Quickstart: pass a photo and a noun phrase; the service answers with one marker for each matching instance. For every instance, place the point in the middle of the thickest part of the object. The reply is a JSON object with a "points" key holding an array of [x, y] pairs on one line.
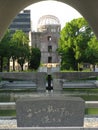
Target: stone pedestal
{"points": [[57, 84], [50, 111]]}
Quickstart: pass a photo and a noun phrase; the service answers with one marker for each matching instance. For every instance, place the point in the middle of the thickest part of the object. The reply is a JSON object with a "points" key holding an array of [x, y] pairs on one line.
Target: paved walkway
{"points": [[88, 122]]}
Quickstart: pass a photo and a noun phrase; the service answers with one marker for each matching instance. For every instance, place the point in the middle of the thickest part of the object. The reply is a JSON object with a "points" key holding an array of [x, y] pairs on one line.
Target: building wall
{"points": [[46, 39], [21, 22]]}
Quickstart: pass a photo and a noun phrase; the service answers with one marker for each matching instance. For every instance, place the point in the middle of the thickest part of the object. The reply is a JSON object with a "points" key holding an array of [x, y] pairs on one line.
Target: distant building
{"points": [[46, 39], [21, 22]]}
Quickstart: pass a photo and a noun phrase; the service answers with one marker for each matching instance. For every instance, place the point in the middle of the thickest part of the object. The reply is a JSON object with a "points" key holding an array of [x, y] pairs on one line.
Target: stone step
{"points": [[79, 85]]}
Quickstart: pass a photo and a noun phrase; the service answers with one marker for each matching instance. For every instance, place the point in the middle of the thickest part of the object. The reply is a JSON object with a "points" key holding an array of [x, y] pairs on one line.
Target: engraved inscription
{"points": [[50, 112]]}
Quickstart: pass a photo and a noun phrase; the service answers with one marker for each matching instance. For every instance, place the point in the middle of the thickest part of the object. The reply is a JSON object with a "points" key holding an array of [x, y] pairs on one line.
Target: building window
{"points": [[49, 59], [58, 29], [49, 48], [53, 30], [49, 38]]}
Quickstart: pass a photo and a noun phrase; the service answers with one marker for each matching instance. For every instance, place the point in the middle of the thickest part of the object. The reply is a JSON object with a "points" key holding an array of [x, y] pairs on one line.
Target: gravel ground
{"points": [[91, 122], [88, 122]]}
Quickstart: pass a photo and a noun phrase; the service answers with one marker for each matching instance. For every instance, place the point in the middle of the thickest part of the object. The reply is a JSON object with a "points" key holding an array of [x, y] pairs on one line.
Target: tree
{"points": [[14, 51], [92, 51], [5, 49], [23, 55], [35, 56], [21, 48], [73, 42]]}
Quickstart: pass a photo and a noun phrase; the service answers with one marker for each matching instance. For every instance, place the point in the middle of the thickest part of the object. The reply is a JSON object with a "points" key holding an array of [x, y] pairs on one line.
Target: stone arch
{"points": [[10, 8]]}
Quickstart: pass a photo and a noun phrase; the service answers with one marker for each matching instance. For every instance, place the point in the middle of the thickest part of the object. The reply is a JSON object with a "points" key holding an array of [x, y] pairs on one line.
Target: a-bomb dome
{"points": [[48, 20]]}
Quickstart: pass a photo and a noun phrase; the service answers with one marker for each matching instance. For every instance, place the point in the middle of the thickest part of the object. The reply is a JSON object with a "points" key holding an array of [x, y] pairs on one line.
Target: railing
{"points": [[91, 104], [7, 106], [12, 105]]}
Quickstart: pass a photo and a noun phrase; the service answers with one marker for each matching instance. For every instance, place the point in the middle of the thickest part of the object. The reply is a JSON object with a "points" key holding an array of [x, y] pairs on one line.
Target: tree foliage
{"points": [[5, 50], [35, 57], [20, 47], [16, 46], [92, 51], [73, 43]]}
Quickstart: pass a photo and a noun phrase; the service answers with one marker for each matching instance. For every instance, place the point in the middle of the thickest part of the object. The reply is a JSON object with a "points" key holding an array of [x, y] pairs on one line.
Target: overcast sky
{"points": [[64, 12]]}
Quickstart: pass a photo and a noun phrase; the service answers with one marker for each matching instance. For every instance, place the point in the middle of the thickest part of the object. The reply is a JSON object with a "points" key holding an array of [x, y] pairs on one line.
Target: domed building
{"points": [[46, 39], [47, 20]]}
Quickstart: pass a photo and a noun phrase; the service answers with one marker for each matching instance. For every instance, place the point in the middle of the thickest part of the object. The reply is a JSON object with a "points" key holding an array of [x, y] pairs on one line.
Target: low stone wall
{"points": [[73, 75], [39, 78], [61, 78]]}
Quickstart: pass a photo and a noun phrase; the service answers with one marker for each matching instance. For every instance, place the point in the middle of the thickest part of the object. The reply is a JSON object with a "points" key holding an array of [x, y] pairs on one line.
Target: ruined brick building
{"points": [[46, 39]]}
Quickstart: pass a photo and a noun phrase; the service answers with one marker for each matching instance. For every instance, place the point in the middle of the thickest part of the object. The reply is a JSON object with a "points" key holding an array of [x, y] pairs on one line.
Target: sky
{"points": [[63, 12]]}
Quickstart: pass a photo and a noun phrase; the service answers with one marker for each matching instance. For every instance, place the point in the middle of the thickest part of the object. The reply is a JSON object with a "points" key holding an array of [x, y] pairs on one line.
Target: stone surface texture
{"points": [[50, 111]]}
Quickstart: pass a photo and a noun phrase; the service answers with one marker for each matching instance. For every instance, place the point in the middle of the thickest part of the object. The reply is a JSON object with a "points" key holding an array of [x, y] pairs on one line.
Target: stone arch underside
{"points": [[10, 8]]}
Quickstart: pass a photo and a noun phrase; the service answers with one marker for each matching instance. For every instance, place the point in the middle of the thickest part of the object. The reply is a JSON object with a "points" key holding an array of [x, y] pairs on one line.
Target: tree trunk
{"points": [[8, 65], [93, 67], [0, 64], [13, 64], [1, 67], [22, 67], [76, 66]]}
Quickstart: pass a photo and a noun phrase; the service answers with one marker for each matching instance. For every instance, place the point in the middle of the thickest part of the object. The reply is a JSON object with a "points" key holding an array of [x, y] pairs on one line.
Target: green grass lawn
{"points": [[7, 112], [89, 111]]}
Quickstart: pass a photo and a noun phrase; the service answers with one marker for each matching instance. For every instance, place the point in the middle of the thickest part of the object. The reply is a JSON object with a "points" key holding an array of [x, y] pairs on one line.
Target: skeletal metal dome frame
{"points": [[47, 20], [10, 8]]}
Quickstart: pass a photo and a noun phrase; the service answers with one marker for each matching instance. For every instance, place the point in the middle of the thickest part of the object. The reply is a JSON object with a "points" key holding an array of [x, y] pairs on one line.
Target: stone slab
{"points": [[79, 85], [50, 111], [53, 128]]}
